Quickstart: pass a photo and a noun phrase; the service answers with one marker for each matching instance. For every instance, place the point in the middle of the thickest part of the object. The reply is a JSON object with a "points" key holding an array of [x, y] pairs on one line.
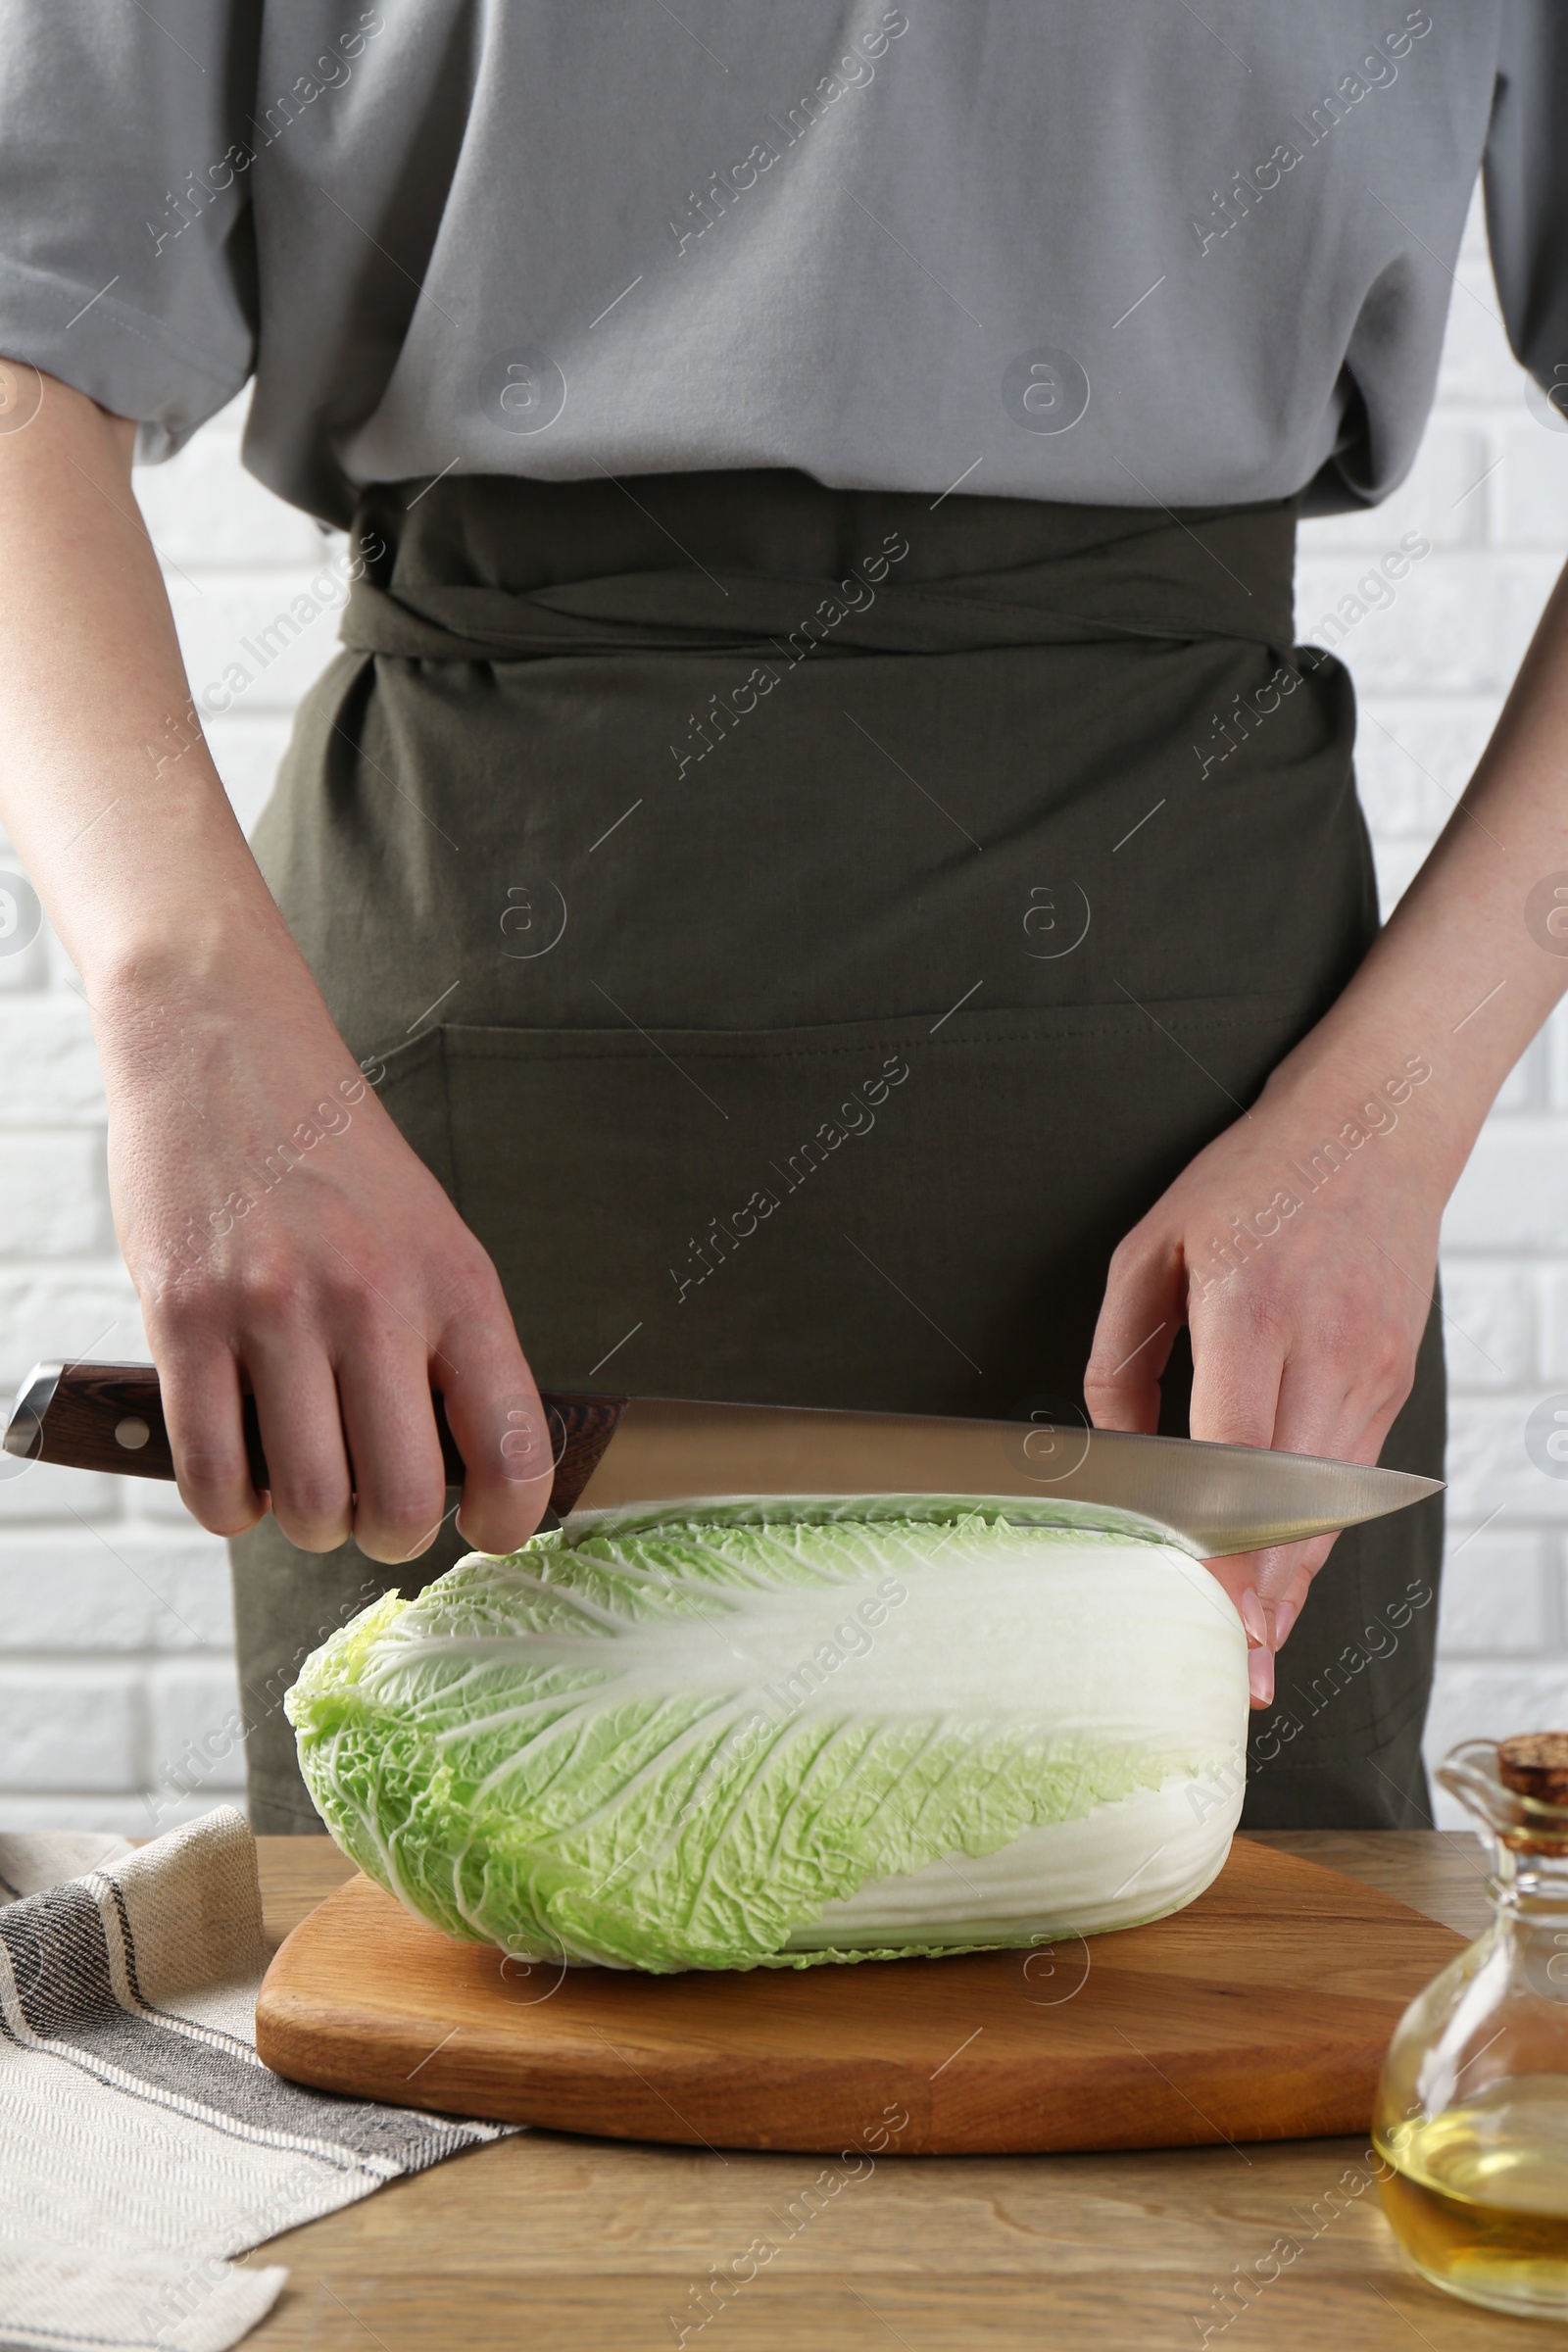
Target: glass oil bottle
{"points": [[1472, 2110]]}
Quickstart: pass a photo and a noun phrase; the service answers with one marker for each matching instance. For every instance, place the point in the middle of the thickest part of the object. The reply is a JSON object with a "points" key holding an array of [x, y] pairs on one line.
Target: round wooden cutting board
{"points": [[1261, 2012]]}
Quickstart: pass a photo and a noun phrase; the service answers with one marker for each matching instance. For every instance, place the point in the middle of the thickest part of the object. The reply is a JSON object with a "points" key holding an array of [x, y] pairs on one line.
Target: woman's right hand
{"points": [[339, 1284], [282, 1236]]}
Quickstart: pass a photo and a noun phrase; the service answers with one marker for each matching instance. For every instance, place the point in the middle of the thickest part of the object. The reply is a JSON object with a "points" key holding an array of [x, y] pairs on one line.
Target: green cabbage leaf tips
{"points": [[730, 1735]]}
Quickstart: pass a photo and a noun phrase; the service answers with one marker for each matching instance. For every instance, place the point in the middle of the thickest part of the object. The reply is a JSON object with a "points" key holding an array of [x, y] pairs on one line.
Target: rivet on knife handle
{"points": [[111, 1417]]}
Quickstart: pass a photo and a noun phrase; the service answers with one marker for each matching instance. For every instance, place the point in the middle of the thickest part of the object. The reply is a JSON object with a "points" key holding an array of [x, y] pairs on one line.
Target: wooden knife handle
{"points": [[111, 1417]]}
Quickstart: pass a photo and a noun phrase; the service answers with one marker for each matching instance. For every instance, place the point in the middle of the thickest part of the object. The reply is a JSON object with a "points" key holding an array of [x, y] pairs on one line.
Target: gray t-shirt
{"points": [[1127, 254]]}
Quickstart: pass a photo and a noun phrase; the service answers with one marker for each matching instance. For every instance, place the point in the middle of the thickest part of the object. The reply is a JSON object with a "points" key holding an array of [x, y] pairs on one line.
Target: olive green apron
{"points": [[804, 930]]}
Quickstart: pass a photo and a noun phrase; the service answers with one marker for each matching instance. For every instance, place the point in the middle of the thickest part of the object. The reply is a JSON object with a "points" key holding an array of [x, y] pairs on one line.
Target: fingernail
{"points": [[1252, 1617], [1285, 1616], [1260, 1676]]}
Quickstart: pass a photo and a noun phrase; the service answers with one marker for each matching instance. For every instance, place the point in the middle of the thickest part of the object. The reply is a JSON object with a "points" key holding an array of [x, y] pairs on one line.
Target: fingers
{"points": [[343, 1290], [493, 1412], [1306, 1422], [203, 1414], [1287, 1608], [1341, 1405], [342, 1375], [389, 1421], [1137, 1328], [302, 1436], [1238, 1356], [1345, 1416], [1238, 1361], [1306, 1342], [1241, 1364], [1237, 1576]]}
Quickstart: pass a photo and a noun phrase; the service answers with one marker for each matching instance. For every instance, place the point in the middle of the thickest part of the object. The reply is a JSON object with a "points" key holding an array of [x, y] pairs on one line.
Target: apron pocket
{"points": [[911, 1216]]}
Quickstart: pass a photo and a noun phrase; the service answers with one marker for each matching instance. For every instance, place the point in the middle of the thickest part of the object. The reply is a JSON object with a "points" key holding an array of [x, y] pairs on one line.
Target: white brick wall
{"points": [[117, 1688]]}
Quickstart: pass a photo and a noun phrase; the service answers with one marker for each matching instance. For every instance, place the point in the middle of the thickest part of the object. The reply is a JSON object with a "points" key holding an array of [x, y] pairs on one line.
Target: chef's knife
{"points": [[612, 1451]]}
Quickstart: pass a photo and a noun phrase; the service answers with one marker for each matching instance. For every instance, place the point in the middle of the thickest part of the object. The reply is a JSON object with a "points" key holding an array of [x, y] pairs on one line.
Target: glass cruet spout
{"points": [[1472, 2110]]}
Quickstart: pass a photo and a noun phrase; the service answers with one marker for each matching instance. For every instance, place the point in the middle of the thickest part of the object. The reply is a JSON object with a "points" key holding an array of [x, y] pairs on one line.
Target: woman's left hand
{"points": [[1300, 1247]]}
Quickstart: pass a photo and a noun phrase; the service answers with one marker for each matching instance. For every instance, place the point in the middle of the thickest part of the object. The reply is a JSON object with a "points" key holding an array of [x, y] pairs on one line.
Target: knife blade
{"points": [[614, 1452]]}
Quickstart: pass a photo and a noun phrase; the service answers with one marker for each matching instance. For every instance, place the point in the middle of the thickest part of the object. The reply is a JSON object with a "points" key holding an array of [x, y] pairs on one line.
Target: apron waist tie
{"points": [[1228, 575]]}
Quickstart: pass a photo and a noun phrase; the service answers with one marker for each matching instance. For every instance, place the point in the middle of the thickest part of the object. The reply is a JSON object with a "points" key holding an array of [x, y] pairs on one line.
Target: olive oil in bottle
{"points": [[1478, 2196]]}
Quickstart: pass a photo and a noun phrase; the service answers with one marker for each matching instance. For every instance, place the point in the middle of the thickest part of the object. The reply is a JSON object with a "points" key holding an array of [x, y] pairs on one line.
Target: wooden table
{"points": [[557, 2244]]}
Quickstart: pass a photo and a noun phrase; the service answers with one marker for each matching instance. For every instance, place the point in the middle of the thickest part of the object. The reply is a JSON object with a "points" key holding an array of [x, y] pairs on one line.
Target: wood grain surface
{"points": [[565, 2244], [1261, 2011]]}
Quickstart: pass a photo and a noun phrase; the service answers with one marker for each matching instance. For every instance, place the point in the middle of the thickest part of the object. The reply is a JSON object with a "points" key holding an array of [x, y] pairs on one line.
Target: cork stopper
{"points": [[1535, 1764]]}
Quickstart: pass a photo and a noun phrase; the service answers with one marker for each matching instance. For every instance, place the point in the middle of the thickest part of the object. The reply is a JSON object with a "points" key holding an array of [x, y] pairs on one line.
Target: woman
{"points": [[819, 838]]}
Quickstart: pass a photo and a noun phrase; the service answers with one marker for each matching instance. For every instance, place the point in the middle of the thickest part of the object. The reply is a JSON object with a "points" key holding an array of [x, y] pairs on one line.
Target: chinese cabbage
{"points": [[725, 1736]]}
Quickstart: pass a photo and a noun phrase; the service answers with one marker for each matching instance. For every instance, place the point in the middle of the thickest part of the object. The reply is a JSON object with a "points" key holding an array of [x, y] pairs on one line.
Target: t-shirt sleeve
{"points": [[126, 255], [1526, 179]]}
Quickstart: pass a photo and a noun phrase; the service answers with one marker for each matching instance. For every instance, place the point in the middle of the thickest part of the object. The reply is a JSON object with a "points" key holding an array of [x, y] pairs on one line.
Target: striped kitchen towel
{"points": [[142, 2142]]}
